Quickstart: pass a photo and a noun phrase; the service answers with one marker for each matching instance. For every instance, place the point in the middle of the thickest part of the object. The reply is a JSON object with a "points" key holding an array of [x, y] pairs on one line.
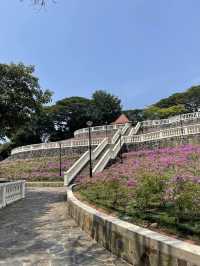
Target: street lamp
{"points": [[120, 139], [106, 129], [89, 124], [60, 158], [181, 124]]}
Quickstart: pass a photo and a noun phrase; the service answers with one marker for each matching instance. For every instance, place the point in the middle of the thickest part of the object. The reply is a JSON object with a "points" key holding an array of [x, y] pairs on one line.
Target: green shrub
{"points": [[149, 192]]}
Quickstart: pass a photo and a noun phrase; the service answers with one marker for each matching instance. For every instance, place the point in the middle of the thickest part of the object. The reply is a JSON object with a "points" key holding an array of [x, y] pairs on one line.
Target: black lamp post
{"points": [[89, 124], [106, 129], [181, 124], [120, 139], [60, 158]]}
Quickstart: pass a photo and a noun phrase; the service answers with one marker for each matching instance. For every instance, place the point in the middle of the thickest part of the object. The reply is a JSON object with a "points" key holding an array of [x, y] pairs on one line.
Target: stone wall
{"points": [[49, 153], [168, 142], [97, 134], [138, 246]]}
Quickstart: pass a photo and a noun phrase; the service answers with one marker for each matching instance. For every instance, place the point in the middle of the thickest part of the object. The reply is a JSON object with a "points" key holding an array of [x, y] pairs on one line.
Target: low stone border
{"points": [[138, 246], [44, 184]]}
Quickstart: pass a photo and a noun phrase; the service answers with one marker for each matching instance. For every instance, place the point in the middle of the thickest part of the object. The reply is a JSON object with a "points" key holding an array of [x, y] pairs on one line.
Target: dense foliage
{"points": [[26, 118], [177, 103], [20, 97], [161, 186]]}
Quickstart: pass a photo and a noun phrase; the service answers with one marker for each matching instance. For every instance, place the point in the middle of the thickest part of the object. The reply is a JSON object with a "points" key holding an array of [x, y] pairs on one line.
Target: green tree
{"points": [[107, 107], [21, 97], [68, 115], [135, 115], [154, 112], [190, 99], [38, 130]]}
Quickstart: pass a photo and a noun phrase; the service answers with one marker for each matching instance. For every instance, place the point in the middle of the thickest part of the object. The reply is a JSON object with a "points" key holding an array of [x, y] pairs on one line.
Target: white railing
{"points": [[125, 128], [170, 120], [166, 133], [102, 162], [75, 169], [11, 192], [99, 148], [56, 145], [116, 149], [112, 151], [84, 142], [98, 128], [134, 130], [116, 136]]}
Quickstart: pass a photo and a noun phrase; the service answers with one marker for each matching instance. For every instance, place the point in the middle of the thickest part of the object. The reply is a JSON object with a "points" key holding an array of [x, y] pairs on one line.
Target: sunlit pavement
{"points": [[37, 231]]}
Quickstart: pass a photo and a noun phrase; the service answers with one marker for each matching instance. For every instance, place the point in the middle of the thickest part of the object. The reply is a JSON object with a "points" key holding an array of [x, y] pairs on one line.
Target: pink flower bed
{"points": [[181, 162], [38, 169]]}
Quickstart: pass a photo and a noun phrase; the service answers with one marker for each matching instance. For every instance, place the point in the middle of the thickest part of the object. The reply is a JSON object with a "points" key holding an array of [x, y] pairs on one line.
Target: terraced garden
{"points": [[159, 189], [36, 169]]}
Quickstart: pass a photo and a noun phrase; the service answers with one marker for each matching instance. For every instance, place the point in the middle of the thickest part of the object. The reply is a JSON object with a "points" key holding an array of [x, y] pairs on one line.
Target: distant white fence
{"points": [[11, 192], [56, 145], [171, 120], [132, 134], [98, 128], [166, 133]]}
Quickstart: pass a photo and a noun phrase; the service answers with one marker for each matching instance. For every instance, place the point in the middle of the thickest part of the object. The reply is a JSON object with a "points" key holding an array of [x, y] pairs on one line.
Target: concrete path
{"points": [[37, 231]]}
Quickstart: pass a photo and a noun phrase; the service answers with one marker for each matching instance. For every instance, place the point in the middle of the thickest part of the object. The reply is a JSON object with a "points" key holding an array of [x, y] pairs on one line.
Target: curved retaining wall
{"points": [[49, 153], [139, 246], [162, 143]]}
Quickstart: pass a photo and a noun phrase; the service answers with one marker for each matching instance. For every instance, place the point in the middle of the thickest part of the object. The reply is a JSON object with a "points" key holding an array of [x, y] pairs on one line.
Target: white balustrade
{"points": [[102, 162], [98, 128], [99, 148], [170, 120], [112, 151], [56, 145], [166, 133], [11, 192], [134, 130], [117, 127], [115, 137], [82, 161]]}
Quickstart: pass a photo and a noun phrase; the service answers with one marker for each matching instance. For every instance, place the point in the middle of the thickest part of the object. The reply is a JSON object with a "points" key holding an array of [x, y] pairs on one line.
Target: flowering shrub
{"points": [[150, 192], [184, 193], [110, 194], [160, 186]]}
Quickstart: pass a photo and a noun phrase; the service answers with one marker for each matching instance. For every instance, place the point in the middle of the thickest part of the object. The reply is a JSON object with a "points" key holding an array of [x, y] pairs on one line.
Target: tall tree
{"points": [[21, 97], [107, 107], [68, 115]]}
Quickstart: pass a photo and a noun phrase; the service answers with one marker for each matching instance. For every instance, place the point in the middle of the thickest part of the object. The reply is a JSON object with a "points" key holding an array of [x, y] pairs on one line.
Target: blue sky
{"points": [[139, 50]]}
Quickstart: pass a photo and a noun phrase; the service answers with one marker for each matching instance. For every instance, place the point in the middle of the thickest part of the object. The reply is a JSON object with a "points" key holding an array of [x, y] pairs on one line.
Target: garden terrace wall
{"points": [[162, 143], [71, 151], [138, 246], [97, 134]]}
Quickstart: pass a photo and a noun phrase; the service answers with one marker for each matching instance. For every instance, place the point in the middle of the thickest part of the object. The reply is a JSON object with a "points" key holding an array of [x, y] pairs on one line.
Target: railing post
{"points": [[4, 196], [23, 189]]}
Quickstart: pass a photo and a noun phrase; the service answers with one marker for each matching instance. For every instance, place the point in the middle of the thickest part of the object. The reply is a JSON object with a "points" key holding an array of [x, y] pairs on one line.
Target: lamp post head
{"points": [[89, 123]]}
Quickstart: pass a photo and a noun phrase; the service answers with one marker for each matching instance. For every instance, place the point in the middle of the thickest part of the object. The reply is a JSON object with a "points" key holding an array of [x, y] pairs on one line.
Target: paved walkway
{"points": [[37, 231]]}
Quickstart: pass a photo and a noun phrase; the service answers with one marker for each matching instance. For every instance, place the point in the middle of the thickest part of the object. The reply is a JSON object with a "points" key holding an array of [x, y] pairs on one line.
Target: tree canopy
{"points": [[72, 113], [20, 96], [190, 99], [107, 107]]}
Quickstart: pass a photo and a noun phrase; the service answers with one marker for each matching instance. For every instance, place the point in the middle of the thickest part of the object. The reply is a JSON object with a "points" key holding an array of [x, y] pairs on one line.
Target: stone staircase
{"points": [[101, 155]]}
